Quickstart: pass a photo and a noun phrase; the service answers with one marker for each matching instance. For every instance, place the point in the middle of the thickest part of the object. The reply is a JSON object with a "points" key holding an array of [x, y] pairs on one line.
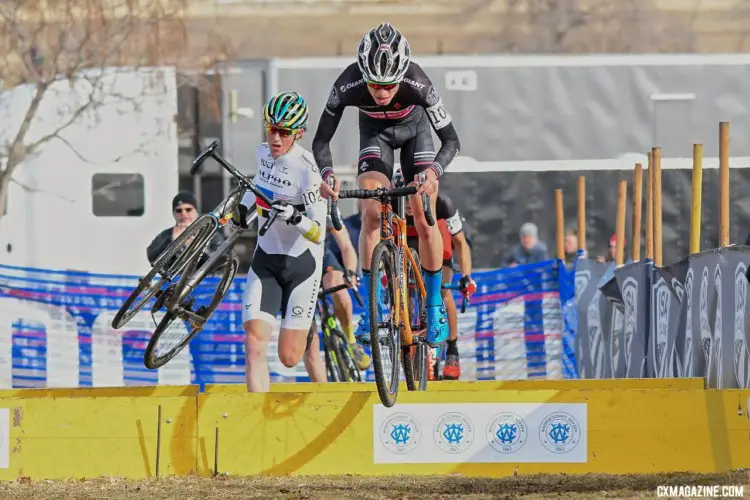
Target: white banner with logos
{"points": [[480, 433]]}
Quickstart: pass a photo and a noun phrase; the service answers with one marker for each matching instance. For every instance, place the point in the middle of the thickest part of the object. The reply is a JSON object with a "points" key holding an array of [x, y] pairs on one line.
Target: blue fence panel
{"points": [[55, 331]]}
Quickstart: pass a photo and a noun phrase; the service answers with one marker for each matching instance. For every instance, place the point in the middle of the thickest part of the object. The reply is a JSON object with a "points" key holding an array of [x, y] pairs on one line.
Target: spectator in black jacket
{"points": [[185, 211]]}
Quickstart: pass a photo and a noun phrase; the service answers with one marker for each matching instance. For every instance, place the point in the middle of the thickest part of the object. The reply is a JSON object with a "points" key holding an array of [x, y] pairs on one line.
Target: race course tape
{"points": [[490, 430]]}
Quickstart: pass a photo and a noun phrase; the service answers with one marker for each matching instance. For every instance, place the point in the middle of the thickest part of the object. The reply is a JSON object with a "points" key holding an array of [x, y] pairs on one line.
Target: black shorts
{"points": [[378, 139], [282, 283], [413, 242], [331, 262]]}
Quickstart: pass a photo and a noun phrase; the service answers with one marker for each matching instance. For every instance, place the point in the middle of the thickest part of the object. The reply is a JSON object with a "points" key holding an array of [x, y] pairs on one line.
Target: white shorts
{"points": [[283, 283]]}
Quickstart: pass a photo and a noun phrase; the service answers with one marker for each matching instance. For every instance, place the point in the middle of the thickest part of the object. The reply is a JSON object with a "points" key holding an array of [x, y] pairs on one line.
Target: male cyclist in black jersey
{"points": [[397, 103]]}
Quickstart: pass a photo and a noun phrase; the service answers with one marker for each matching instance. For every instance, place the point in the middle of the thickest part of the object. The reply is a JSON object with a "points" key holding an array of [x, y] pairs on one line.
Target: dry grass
{"points": [[351, 487]]}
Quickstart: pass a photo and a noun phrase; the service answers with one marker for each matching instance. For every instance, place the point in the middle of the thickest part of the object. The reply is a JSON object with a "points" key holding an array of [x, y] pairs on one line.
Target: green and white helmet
{"points": [[384, 55]]}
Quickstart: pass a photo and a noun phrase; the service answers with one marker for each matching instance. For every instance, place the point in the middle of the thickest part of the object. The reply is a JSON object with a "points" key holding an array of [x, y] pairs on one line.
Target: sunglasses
{"points": [[187, 210], [283, 132], [378, 86]]}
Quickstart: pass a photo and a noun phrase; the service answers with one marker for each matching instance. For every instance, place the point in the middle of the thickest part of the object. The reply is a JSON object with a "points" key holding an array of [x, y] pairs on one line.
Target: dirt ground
{"points": [[353, 487]]}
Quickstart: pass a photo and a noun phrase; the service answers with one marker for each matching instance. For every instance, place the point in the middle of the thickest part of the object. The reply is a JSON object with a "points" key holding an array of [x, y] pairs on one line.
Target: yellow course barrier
{"points": [[473, 428], [460, 385]]}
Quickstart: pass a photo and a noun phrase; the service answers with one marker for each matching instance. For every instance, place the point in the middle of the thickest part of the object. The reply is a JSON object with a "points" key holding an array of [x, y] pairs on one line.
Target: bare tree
{"points": [[79, 46]]}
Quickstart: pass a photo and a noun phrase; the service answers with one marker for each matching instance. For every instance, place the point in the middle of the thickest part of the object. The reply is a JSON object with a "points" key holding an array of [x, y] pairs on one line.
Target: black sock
{"points": [[452, 347]]}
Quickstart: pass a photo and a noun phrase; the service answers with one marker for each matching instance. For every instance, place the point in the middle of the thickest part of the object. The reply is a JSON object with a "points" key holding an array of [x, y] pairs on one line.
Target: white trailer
{"points": [[93, 198]]}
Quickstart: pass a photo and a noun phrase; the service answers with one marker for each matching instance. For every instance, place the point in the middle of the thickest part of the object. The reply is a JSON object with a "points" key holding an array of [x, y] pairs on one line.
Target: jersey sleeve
{"points": [[316, 207], [436, 112], [441, 121], [329, 122], [448, 212]]}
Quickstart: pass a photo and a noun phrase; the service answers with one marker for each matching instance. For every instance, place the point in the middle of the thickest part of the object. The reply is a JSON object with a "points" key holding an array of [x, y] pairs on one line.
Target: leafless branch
{"points": [[30, 189], [74, 47]]}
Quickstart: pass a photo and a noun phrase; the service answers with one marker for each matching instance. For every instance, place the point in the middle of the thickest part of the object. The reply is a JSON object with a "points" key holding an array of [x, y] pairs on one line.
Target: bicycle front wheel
{"points": [[176, 256], [179, 327], [385, 339]]}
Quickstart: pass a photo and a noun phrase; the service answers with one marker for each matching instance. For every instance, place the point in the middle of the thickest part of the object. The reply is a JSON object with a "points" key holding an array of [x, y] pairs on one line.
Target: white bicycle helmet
{"points": [[383, 55]]}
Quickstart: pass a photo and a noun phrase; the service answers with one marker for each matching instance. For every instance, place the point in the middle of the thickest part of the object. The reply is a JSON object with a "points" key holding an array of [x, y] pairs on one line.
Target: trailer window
{"points": [[117, 195]]}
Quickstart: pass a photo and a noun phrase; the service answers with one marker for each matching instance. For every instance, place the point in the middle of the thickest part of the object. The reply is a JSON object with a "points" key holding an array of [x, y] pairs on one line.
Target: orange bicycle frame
{"points": [[393, 228]]}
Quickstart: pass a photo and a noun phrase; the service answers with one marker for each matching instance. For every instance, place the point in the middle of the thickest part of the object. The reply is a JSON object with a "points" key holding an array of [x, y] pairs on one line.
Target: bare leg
{"points": [[313, 362], [257, 336], [292, 344], [342, 302]]}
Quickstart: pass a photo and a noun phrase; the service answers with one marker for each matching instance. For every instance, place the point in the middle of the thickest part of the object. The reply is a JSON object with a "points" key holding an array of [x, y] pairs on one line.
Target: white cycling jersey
{"points": [[293, 178], [287, 264]]}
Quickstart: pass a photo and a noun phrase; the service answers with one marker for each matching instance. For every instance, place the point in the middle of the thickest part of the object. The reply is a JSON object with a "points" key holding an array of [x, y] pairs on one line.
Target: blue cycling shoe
{"points": [[437, 325], [364, 327]]}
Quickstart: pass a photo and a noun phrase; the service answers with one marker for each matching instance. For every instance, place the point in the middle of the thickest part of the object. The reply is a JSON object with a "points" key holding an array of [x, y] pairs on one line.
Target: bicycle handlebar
{"points": [[333, 289], [381, 194], [343, 286], [333, 208], [464, 297], [426, 201], [242, 180], [348, 279]]}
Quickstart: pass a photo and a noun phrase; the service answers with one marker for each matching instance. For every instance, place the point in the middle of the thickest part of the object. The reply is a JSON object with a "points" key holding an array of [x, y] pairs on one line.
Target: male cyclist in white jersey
{"points": [[287, 264], [398, 104]]}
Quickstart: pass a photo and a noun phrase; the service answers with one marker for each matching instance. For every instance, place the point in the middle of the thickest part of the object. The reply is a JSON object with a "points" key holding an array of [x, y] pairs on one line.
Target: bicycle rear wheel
{"points": [[350, 370], [339, 353], [333, 373], [177, 328], [386, 347], [174, 259]]}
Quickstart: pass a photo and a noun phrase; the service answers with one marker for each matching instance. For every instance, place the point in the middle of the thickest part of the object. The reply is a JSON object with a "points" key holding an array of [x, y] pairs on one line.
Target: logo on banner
{"points": [[560, 432], [678, 289], [718, 327], [662, 298], [616, 338], [581, 280], [706, 336], [400, 433], [454, 432], [687, 370], [596, 347], [675, 364], [630, 307], [740, 299], [507, 432]]}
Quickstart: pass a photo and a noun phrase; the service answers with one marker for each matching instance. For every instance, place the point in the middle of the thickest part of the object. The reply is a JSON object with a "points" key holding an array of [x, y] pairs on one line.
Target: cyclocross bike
{"points": [[396, 271], [176, 275], [339, 357]]}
